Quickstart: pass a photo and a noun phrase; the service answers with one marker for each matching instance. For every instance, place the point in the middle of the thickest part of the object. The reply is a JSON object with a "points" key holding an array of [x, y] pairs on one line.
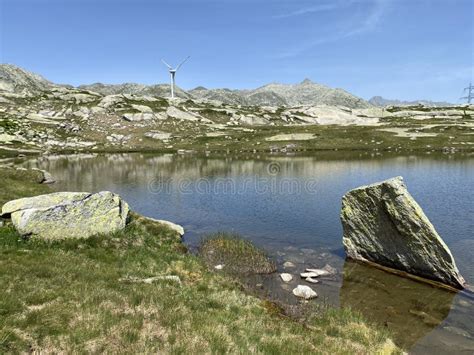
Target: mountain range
{"points": [[381, 102], [16, 79]]}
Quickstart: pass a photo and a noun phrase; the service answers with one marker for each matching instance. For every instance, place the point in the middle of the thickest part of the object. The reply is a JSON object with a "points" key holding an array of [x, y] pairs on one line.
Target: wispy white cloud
{"points": [[372, 20], [310, 10], [352, 27]]}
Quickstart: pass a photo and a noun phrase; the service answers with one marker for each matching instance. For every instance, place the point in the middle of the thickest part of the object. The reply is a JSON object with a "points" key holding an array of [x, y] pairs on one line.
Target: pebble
{"points": [[288, 264], [219, 267]]}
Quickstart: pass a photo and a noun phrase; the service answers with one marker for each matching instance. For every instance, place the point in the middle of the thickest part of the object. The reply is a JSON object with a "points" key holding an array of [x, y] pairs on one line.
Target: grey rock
{"points": [[318, 272], [305, 292], [383, 224], [67, 214], [330, 269], [136, 117], [143, 108], [110, 100], [182, 115], [286, 277], [288, 264], [176, 227], [252, 120], [158, 135], [47, 177]]}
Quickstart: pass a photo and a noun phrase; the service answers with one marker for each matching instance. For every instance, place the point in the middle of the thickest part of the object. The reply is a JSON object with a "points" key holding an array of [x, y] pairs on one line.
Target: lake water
{"points": [[290, 206]]}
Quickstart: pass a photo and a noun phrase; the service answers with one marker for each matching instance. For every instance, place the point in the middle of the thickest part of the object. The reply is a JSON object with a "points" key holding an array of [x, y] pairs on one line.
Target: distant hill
{"points": [[275, 94], [380, 101], [15, 79]]}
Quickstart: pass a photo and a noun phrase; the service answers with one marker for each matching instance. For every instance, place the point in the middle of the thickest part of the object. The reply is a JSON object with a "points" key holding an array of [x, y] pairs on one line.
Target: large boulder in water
{"points": [[383, 224], [67, 214]]}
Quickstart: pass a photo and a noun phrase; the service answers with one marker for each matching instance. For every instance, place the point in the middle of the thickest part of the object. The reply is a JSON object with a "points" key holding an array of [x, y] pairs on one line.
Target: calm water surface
{"points": [[290, 206]]}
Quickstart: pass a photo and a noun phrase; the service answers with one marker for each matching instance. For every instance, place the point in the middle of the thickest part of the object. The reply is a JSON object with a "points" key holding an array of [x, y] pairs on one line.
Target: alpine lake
{"points": [[289, 205]]}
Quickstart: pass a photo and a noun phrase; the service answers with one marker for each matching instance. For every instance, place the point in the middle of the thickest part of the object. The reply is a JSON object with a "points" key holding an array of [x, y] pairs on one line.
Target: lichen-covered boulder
{"points": [[383, 224], [67, 214]]}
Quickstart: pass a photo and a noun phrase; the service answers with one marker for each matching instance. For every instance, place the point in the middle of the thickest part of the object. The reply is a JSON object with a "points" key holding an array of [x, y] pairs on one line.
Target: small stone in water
{"points": [[318, 272], [311, 280], [330, 269], [308, 274], [286, 277], [219, 267], [288, 264], [305, 292]]}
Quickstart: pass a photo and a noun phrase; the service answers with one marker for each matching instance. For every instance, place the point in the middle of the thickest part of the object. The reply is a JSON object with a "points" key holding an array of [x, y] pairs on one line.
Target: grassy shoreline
{"points": [[69, 296]]}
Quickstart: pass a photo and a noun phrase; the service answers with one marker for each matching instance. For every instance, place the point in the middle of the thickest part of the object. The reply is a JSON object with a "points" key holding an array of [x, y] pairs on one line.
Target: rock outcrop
{"points": [[176, 227], [383, 224], [15, 79], [67, 214]]}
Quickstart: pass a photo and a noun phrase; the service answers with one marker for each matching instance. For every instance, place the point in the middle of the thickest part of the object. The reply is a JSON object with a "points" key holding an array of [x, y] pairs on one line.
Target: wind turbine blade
{"points": [[169, 66], [180, 64]]}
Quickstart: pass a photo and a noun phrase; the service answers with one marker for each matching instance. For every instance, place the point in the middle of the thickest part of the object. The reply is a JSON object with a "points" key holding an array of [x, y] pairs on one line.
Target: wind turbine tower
{"points": [[172, 72]]}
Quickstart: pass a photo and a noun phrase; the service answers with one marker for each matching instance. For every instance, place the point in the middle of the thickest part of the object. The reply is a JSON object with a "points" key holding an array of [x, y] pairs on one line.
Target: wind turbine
{"points": [[173, 73]]}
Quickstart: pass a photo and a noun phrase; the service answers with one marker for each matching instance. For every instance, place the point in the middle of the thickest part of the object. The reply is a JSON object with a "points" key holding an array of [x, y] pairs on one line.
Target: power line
{"points": [[470, 93]]}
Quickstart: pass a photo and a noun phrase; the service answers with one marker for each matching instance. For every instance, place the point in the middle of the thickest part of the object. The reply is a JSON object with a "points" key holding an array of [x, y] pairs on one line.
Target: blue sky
{"points": [[405, 49]]}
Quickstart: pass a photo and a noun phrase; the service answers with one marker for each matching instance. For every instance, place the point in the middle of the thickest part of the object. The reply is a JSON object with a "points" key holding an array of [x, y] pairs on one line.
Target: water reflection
{"points": [[409, 309]]}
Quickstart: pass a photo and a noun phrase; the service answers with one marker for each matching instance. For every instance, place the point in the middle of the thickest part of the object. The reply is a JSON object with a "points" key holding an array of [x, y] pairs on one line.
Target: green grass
{"points": [[69, 296], [20, 183], [239, 256]]}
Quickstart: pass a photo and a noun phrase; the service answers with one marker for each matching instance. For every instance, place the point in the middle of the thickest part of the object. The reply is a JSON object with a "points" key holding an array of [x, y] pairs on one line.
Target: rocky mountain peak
{"points": [[16, 79], [307, 81]]}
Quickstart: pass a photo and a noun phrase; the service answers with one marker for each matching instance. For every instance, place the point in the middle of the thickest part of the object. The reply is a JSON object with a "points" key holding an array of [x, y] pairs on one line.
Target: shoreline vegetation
{"points": [[118, 293]]}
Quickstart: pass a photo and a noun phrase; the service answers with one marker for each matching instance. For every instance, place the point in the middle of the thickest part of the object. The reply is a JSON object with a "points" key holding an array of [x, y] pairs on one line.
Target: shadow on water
{"points": [[410, 310]]}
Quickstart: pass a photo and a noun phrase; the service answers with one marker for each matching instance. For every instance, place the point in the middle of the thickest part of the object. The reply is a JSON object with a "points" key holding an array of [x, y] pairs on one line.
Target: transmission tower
{"points": [[470, 93]]}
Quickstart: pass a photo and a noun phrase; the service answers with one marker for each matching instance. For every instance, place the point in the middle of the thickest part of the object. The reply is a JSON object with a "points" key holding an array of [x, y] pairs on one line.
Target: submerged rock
{"points": [[318, 272], [286, 277], [67, 214], [311, 280], [383, 224], [305, 292]]}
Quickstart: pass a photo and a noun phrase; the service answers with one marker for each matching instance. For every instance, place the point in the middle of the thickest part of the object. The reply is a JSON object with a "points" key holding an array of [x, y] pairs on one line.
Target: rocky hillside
{"points": [[161, 90], [38, 116], [15, 79], [381, 102]]}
